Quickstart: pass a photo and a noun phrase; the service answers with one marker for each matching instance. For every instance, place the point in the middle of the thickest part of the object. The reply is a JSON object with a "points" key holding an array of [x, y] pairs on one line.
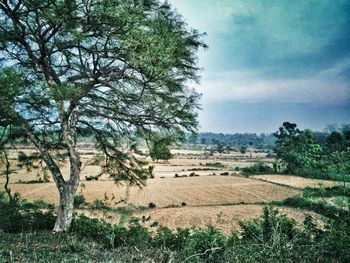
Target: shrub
{"points": [[73, 245], [137, 235], [152, 205], [215, 164], [95, 229], [166, 238], [39, 204], [21, 216], [79, 200], [269, 224], [258, 168], [208, 245], [91, 178], [224, 174], [100, 205]]}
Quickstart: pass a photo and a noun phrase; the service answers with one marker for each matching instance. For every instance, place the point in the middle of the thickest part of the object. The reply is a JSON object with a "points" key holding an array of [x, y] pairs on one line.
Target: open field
{"points": [[226, 218], [165, 192], [184, 201], [294, 181], [182, 163]]}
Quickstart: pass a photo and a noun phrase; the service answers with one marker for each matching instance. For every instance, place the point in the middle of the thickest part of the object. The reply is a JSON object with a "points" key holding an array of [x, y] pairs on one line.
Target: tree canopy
{"points": [[301, 152], [116, 67], [160, 148]]}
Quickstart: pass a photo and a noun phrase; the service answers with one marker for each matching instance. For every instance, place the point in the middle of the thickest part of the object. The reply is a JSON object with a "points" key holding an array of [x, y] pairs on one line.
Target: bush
{"points": [[137, 235], [19, 216], [91, 178], [79, 200], [100, 205], [326, 191], [258, 168], [319, 207], [208, 245], [166, 238], [215, 164], [95, 229], [152, 205]]}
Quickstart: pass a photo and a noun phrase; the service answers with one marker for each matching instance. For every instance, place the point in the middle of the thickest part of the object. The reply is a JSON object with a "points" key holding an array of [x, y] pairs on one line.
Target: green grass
{"points": [[43, 246], [25, 236]]}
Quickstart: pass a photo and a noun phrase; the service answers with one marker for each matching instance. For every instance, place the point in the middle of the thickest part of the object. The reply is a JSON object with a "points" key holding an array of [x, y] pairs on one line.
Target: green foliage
{"points": [[137, 235], [220, 148], [79, 200], [174, 240], [243, 149], [326, 191], [92, 178], [272, 238], [319, 207], [100, 205], [302, 156], [258, 168], [296, 148], [215, 164], [263, 229], [206, 245], [107, 70], [95, 229], [17, 216], [160, 148]]}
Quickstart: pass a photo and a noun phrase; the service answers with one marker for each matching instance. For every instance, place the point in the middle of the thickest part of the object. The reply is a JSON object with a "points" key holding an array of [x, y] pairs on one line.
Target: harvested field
{"points": [[183, 162], [294, 181], [181, 201], [194, 191], [226, 218]]}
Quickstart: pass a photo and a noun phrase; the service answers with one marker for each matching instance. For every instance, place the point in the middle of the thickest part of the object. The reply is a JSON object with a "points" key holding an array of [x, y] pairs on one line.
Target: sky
{"points": [[271, 61]]}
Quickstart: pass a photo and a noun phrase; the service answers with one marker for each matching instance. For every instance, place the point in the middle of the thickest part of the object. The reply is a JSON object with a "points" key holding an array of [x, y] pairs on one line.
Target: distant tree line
{"points": [[237, 139]]}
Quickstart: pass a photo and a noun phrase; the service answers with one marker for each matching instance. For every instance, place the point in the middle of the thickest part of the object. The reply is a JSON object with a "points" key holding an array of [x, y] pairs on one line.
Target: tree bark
{"points": [[66, 189], [65, 208], [7, 174]]}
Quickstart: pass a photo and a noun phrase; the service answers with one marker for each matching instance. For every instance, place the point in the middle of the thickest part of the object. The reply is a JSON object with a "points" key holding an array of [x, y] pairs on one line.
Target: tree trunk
{"points": [[7, 174], [65, 208]]}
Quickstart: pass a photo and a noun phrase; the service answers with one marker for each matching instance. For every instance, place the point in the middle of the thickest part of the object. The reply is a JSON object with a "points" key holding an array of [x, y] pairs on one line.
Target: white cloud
{"points": [[325, 87]]}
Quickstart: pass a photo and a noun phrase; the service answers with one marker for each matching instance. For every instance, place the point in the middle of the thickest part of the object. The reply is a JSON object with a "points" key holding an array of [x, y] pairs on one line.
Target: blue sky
{"points": [[271, 61]]}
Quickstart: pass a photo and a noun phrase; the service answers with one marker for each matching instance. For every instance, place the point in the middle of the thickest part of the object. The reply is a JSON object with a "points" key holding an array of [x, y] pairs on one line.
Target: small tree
{"points": [[243, 149], [296, 148], [220, 148], [113, 67], [160, 149]]}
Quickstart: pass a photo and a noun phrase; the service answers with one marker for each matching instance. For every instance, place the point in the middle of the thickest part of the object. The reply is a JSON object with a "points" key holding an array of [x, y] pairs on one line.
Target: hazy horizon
{"points": [[270, 62]]}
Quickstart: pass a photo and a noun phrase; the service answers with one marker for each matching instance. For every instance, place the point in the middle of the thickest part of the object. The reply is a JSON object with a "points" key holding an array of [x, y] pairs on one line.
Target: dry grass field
{"points": [[226, 218], [167, 192], [294, 181], [208, 198]]}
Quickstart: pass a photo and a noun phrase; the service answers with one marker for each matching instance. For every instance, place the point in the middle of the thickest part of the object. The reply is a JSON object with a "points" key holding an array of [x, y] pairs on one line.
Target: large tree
{"points": [[113, 67], [296, 148]]}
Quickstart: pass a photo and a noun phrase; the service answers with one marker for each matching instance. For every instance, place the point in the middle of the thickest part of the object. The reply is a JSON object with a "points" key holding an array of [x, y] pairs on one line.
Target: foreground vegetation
{"points": [[25, 236]]}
